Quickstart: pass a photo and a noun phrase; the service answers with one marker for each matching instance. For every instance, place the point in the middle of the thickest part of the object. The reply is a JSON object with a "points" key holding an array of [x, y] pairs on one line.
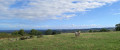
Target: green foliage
{"points": [[90, 31], [39, 33], [104, 30], [15, 33], [117, 27], [4, 35], [67, 41], [53, 33], [35, 32], [48, 32], [95, 30], [21, 32], [56, 32], [7, 35]]}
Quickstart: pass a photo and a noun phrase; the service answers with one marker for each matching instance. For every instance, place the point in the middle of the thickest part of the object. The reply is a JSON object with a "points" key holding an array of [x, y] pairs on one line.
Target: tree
{"points": [[48, 32], [90, 31], [39, 33], [104, 30], [53, 33], [33, 32], [56, 32], [95, 30], [21, 32], [117, 27], [15, 33]]}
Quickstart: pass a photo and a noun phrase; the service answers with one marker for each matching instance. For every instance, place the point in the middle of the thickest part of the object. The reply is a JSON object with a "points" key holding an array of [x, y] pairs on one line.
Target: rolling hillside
{"points": [[88, 41]]}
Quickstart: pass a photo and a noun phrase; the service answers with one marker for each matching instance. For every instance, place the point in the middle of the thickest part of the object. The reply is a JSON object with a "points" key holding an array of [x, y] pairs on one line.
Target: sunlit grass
{"points": [[86, 41]]}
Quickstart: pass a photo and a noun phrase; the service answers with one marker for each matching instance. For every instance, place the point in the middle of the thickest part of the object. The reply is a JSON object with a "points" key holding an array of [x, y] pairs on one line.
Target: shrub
{"points": [[104, 30], [7, 35], [117, 27], [21, 32], [56, 32], [90, 31], [15, 33], [95, 30], [35, 32], [48, 32]]}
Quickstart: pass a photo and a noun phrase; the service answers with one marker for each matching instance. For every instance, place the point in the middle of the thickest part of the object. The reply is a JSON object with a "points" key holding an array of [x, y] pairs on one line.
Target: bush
{"points": [[48, 32], [56, 32], [117, 27], [90, 31], [95, 30], [35, 32], [7, 35], [39, 33], [15, 33], [104, 30], [21, 32]]}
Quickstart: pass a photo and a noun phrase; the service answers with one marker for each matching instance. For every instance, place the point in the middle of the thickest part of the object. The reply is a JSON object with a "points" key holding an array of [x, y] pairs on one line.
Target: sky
{"points": [[58, 14]]}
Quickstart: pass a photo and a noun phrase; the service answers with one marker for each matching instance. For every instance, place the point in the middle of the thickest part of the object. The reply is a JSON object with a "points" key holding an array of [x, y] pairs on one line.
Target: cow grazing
{"points": [[77, 34]]}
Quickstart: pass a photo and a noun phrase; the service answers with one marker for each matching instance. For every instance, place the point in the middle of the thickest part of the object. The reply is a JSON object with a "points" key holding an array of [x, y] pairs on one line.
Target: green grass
{"points": [[86, 41]]}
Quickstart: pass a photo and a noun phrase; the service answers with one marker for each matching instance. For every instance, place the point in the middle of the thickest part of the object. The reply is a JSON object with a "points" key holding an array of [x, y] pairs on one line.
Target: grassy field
{"points": [[86, 41]]}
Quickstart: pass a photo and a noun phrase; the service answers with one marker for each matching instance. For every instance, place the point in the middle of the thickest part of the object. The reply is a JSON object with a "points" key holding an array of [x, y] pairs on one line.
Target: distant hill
{"points": [[83, 30]]}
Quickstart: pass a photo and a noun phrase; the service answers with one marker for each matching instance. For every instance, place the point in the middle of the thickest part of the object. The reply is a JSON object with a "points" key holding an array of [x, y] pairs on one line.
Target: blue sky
{"points": [[64, 14]]}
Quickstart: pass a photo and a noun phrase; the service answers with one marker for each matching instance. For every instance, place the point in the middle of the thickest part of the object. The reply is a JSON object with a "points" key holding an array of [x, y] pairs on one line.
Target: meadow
{"points": [[66, 41]]}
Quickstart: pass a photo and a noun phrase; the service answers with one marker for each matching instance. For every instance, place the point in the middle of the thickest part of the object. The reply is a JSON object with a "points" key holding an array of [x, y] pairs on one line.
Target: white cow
{"points": [[77, 34]]}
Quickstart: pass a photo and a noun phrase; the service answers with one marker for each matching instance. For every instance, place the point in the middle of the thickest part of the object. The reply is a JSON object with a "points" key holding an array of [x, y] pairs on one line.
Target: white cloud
{"points": [[116, 14], [47, 9]]}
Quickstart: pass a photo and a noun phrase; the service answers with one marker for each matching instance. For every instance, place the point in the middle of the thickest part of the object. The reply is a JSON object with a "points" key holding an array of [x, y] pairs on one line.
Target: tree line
{"points": [[102, 30], [35, 32], [117, 28]]}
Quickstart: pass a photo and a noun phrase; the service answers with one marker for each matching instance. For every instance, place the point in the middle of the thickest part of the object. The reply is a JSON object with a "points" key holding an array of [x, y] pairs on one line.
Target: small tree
{"points": [[48, 32], [117, 27], [39, 34], [15, 33], [21, 32], [33, 32], [53, 33], [90, 31], [104, 30], [36, 33], [56, 32], [95, 31]]}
